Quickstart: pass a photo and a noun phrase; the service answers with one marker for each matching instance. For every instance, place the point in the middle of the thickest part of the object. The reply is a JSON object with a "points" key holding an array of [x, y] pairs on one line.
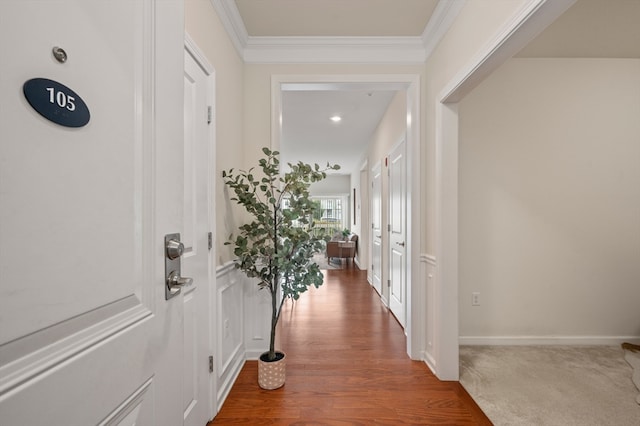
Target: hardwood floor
{"points": [[346, 365]]}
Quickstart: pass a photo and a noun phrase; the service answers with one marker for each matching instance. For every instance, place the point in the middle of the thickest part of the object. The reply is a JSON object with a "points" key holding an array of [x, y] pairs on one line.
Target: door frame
{"points": [[415, 328], [196, 53], [406, 271], [375, 170]]}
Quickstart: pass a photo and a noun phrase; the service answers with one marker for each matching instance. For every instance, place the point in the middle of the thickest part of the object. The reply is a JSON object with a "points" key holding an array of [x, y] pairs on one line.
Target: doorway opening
{"points": [[356, 160]]}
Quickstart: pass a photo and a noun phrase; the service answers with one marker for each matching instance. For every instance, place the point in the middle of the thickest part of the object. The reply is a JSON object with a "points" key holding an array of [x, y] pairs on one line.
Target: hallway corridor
{"points": [[346, 365]]}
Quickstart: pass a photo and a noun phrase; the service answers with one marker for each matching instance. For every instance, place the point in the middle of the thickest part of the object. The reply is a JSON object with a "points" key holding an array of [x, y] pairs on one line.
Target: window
{"points": [[329, 217]]}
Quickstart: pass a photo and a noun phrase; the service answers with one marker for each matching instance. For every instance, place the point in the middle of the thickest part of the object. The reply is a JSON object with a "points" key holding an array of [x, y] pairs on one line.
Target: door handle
{"points": [[174, 281], [400, 244]]}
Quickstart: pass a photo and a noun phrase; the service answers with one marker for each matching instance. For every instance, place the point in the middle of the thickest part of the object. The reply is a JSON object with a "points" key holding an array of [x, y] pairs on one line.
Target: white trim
{"points": [[197, 54], [357, 262], [232, 22], [429, 259], [225, 269], [524, 26], [545, 340], [225, 387], [411, 83], [119, 414], [415, 327], [228, 369], [445, 292], [443, 17], [427, 271], [26, 358], [404, 321], [203, 63], [334, 50]]}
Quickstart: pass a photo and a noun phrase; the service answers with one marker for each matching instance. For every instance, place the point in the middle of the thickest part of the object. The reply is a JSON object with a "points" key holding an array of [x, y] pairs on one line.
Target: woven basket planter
{"points": [[271, 374]]}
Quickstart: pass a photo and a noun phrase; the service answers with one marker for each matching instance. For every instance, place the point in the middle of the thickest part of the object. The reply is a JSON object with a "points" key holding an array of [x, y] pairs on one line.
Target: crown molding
{"points": [[443, 16], [232, 22], [333, 50]]}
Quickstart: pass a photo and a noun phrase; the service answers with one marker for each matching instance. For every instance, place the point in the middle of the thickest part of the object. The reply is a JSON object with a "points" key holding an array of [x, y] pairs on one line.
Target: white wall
{"points": [[550, 201]]}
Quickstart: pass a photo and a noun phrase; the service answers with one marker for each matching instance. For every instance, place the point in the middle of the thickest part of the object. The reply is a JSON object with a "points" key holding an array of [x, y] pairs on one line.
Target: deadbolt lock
{"points": [[174, 281]]}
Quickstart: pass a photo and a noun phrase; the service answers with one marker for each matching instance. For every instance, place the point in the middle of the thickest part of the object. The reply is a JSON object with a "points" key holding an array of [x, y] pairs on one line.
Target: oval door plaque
{"points": [[56, 102]]}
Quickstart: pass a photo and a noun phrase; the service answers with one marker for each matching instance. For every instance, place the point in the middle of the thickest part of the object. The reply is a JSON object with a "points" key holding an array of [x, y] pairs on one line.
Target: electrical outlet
{"points": [[475, 299]]}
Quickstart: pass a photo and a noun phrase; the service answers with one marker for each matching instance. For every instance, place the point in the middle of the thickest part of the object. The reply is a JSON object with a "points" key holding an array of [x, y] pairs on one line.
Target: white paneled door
{"points": [[86, 198], [397, 233], [376, 227], [197, 386]]}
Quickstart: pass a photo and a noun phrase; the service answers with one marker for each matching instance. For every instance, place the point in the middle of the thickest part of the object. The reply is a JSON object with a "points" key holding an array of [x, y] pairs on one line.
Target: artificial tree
{"points": [[276, 246]]}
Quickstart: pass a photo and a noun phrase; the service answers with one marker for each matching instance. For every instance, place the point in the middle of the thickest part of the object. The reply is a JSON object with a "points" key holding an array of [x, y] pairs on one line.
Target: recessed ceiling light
{"points": [[336, 118]]}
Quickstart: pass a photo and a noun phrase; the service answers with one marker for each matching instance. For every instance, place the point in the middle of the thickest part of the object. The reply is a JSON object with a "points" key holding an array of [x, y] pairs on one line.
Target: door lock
{"points": [[172, 265]]}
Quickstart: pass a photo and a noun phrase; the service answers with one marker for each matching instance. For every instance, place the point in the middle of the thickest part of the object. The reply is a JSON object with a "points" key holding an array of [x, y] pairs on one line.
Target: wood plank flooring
{"points": [[346, 365]]}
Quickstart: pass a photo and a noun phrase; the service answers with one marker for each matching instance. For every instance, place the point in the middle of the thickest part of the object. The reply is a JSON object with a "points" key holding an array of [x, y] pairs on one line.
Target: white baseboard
{"points": [[252, 355], [225, 388], [545, 340], [431, 363]]}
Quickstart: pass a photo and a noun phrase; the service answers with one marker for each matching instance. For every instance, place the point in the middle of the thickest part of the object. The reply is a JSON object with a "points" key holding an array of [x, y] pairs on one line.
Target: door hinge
{"points": [[388, 283], [209, 114], [211, 364], [210, 240], [389, 227]]}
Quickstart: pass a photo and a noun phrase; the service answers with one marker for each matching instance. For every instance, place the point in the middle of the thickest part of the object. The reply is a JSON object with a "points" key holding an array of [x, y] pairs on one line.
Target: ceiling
{"points": [[335, 18], [590, 28], [309, 135]]}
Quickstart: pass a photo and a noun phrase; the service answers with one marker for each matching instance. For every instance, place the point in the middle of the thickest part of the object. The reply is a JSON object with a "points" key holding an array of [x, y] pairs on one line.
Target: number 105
{"points": [[61, 99]]}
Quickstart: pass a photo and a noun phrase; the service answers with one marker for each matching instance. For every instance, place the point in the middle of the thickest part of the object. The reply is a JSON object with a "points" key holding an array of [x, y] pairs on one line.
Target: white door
{"points": [[86, 335], [397, 233], [197, 396], [376, 227]]}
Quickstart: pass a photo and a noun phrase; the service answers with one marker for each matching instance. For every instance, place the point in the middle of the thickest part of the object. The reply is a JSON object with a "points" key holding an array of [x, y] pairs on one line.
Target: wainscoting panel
{"points": [[230, 350], [258, 319], [428, 266]]}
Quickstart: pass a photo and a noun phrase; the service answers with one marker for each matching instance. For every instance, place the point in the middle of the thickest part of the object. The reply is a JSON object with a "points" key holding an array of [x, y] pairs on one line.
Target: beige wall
{"points": [[476, 25], [204, 27], [550, 200]]}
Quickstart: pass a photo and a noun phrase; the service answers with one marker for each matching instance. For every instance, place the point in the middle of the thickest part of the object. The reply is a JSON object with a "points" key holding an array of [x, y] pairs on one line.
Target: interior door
{"points": [[86, 335], [376, 227], [397, 233], [197, 397]]}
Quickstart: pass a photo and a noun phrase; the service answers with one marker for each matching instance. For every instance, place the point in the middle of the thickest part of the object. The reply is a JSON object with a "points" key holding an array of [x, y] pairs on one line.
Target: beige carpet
{"points": [[551, 385]]}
